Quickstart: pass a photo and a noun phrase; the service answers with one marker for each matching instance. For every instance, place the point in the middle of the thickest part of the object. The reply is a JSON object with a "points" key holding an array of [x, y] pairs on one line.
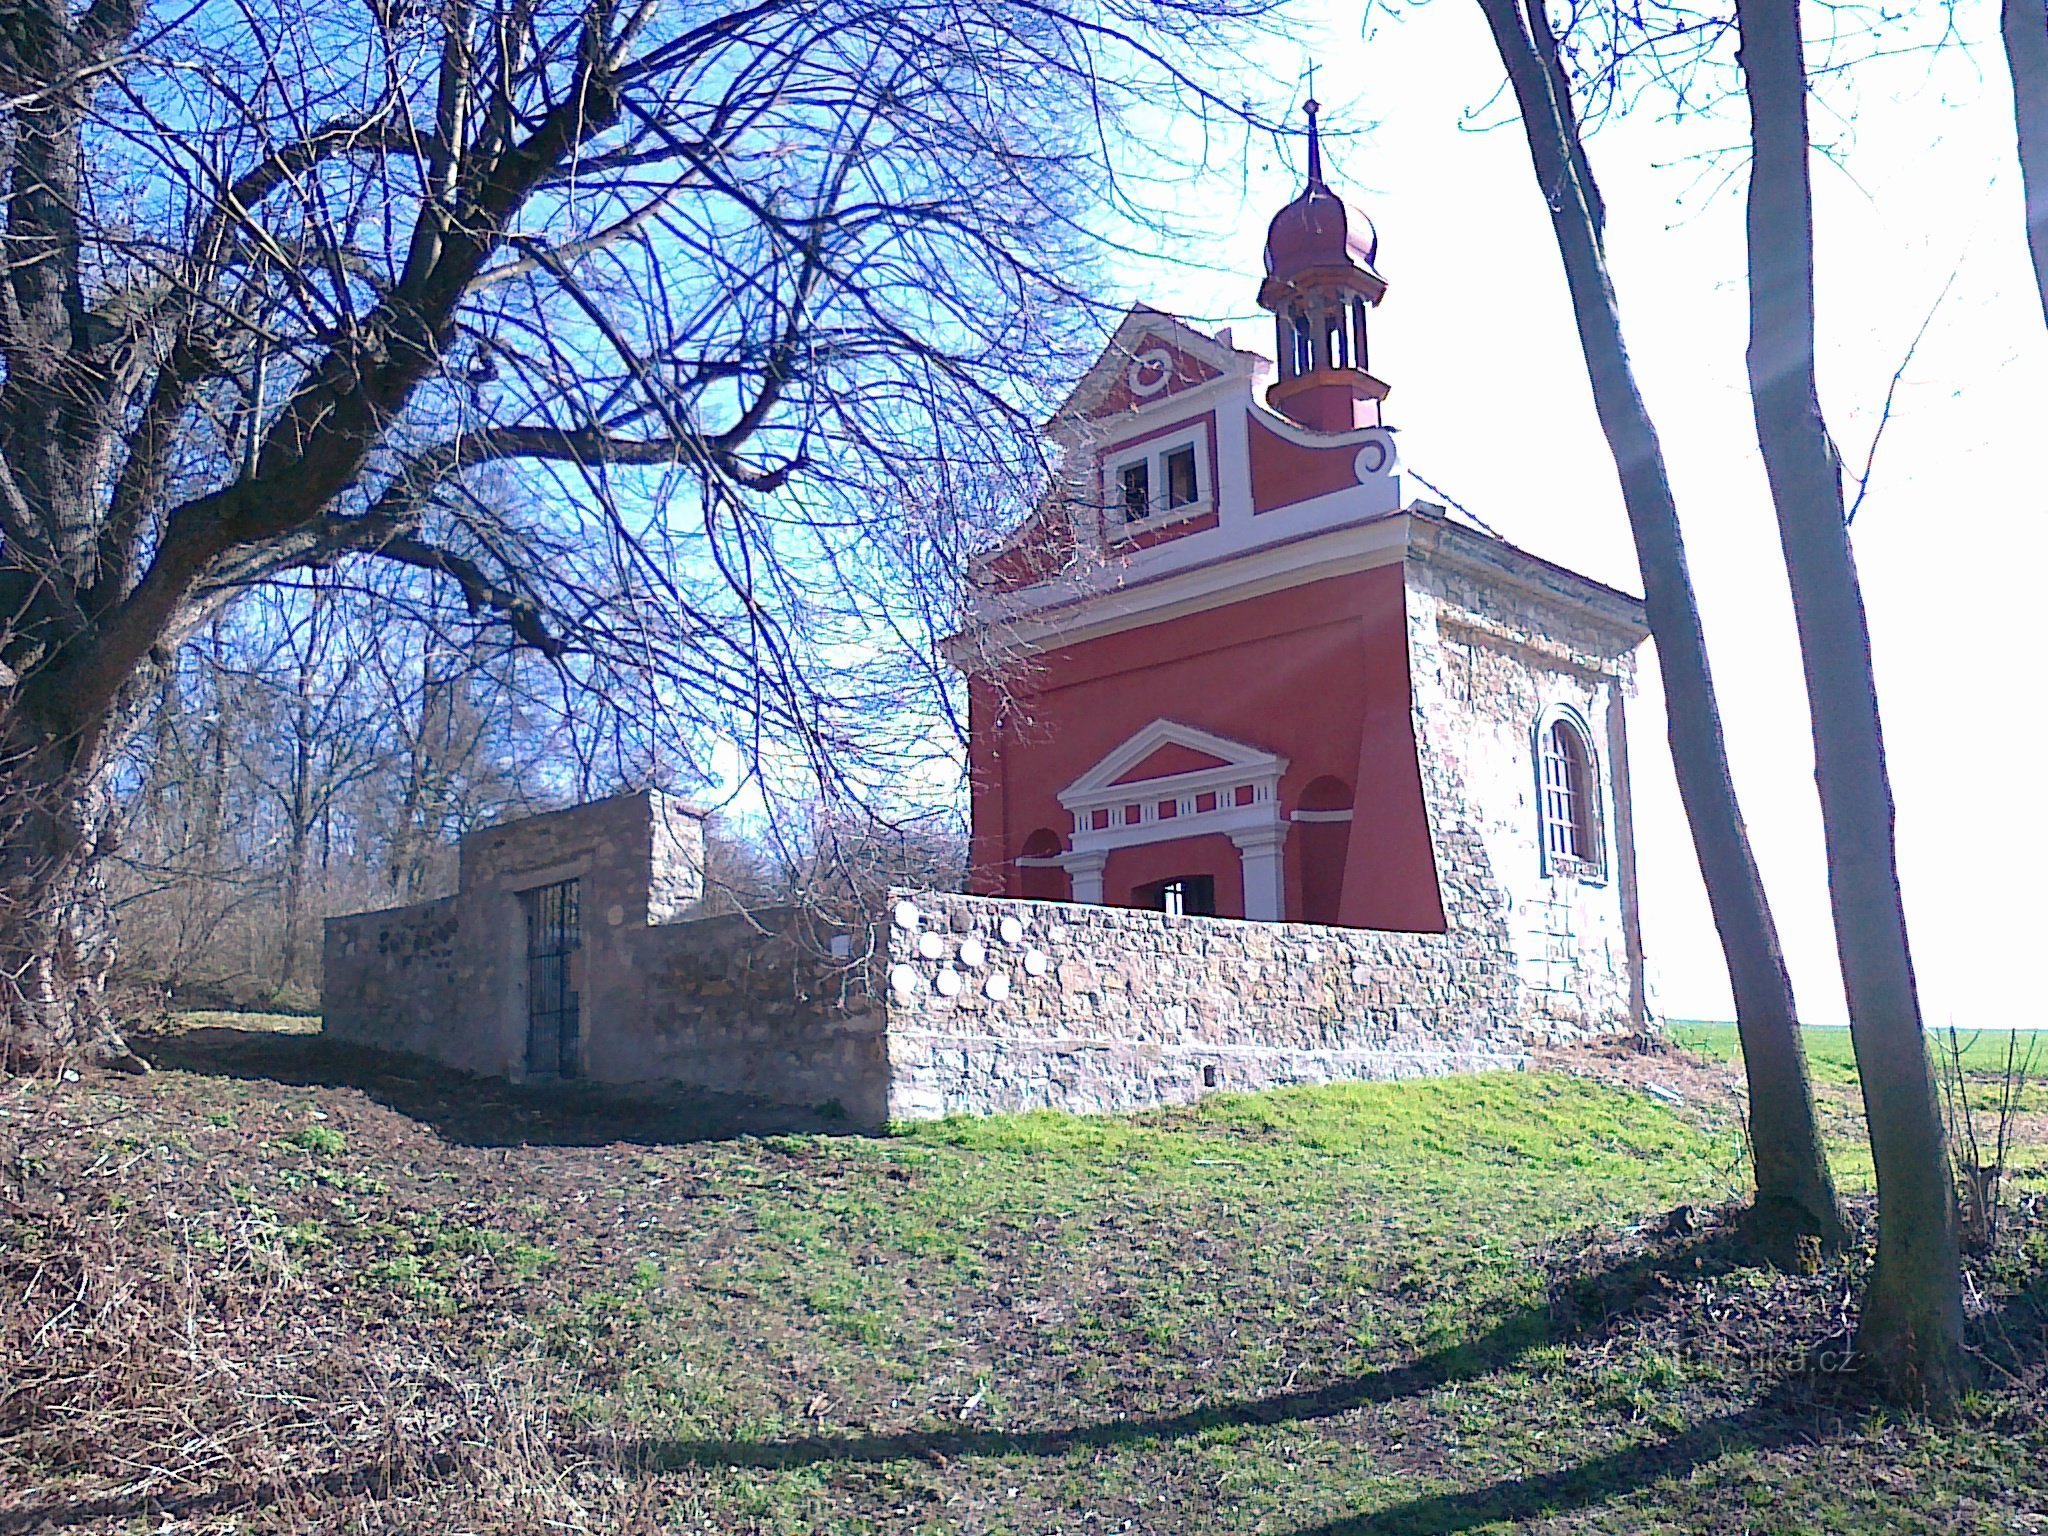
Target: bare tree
{"points": [[2024, 24], [1910, 1330], [1795, 1194], [282, 282]]}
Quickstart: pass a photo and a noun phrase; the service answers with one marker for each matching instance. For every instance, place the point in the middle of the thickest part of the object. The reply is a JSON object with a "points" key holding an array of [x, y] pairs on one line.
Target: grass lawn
{"points": [[279, 1286], [1831, 1063], [1832, 1060]]}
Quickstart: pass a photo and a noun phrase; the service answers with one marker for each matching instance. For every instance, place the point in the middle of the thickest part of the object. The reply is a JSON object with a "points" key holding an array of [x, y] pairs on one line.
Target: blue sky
{"points": [[1919, 194]]}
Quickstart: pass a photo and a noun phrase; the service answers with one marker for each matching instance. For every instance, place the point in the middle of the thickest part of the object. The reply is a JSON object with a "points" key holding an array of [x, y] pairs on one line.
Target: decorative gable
{"points": [[1154, 370], [1151, 358]]}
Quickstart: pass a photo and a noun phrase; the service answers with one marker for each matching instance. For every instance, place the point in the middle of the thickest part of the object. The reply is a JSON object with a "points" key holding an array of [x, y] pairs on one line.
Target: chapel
{"points": [[1230, 667]]}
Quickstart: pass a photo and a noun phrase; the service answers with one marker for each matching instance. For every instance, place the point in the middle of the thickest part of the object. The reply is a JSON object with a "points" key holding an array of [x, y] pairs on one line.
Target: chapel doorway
{"points": [[1182, 896], [554, 939]]}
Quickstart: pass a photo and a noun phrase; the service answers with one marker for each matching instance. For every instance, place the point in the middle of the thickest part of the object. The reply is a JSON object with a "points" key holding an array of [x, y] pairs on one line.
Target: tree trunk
{"points": [[1912, 1322], [56, 933], [2025, 25], [1795, 1195]]}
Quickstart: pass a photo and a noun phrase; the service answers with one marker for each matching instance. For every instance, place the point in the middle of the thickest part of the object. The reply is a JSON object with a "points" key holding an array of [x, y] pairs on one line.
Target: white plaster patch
{"points": [[930, 946], [997, 987], [903, 982], [949, 982], [1036, 963], [973, 953], [1011, 928], [907, 916]]}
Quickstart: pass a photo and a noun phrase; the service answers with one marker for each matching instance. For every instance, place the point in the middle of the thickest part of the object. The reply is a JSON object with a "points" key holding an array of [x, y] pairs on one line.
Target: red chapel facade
{"points": [[1230, 668]]}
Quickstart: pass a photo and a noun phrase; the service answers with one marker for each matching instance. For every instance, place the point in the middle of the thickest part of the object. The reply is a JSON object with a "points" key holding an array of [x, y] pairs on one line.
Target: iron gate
{"points": [[554, 933]]}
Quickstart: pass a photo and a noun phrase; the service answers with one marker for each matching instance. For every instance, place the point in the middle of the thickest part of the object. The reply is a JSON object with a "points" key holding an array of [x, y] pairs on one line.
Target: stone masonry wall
{"points": [[401, 979], [447, 979], [997, 1005], [1488, 657], [756, 1004]]}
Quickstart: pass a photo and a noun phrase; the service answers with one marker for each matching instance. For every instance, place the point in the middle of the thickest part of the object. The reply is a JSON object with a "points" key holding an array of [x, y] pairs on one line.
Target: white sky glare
{"points": [[1490, 396]]}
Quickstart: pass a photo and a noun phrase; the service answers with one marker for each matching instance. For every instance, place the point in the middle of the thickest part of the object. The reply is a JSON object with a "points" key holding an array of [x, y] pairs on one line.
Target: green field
{"points": [[277, 1286], [1829, 1054]]}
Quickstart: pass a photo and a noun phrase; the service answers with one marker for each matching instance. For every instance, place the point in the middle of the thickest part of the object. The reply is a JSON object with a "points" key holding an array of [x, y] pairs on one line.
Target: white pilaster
{"points": [[1085, 870], [1265, 875]]}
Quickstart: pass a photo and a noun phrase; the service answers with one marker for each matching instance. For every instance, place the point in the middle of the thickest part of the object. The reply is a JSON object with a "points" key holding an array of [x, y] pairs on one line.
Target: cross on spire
{"points": [[1315, 139]]}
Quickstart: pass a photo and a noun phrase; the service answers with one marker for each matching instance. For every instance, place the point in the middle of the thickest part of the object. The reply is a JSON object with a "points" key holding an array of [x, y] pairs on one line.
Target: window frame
{"points": [[1589, 826], [1155, 454], [1173, 896], [1135, 476]]}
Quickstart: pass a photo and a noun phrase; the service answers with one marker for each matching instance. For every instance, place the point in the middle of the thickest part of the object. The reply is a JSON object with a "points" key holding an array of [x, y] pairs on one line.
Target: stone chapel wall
{"points": [[1488, 657]]}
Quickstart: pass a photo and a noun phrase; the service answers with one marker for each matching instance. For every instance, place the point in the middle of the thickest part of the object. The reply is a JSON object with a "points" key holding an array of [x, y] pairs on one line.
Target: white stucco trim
{"points": [[1237, 759], [1096, 603], [1229, 821], [1112, 364], [1084, 868], [1257, 827], [1263, 853]]}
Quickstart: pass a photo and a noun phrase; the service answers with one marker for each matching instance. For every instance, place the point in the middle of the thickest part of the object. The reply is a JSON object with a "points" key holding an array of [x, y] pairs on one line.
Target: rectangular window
{"points": [[1137, 483], [1180, 478]]}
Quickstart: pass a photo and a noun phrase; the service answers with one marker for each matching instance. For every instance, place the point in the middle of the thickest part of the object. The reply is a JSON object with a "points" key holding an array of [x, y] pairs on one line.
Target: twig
{"points": [[1891, 392]]}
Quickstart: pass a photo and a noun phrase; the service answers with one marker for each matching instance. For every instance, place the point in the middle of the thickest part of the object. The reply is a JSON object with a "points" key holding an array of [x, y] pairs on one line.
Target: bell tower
{"points": [[1320, 286]]}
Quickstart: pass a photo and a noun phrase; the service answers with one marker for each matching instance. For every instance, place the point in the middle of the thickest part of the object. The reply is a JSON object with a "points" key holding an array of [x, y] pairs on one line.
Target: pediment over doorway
{"points": [[1167, 753], [1172, 758]]}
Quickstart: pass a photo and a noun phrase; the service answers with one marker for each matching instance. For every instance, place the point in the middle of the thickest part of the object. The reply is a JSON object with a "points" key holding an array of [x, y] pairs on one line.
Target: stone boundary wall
{"points": [[403, 980], [941, 1004], [755, 1004], [997, 1005]]}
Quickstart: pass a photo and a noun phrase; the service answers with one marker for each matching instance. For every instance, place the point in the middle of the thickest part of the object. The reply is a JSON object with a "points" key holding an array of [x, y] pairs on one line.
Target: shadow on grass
{"points": [[1798, 1409], [1581, 1309], [1788, 1414], [480, 1111], [1801, 1406]]}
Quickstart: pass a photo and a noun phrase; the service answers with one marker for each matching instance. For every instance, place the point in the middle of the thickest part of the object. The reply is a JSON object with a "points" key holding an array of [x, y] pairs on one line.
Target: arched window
{"points": [[1568, 804], [1040, 877], [1304, 350]]}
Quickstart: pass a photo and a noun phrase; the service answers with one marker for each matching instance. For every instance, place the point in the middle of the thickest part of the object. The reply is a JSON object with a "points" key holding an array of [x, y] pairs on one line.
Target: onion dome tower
{"points": [[1320, 284]]}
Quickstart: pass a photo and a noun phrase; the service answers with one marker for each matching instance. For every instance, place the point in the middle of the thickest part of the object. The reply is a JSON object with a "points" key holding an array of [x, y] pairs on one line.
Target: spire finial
{"points": [[1315, 140]]}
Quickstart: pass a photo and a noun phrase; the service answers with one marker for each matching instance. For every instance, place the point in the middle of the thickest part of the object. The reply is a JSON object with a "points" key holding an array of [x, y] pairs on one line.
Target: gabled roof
{"points": [[1150, 343]]}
